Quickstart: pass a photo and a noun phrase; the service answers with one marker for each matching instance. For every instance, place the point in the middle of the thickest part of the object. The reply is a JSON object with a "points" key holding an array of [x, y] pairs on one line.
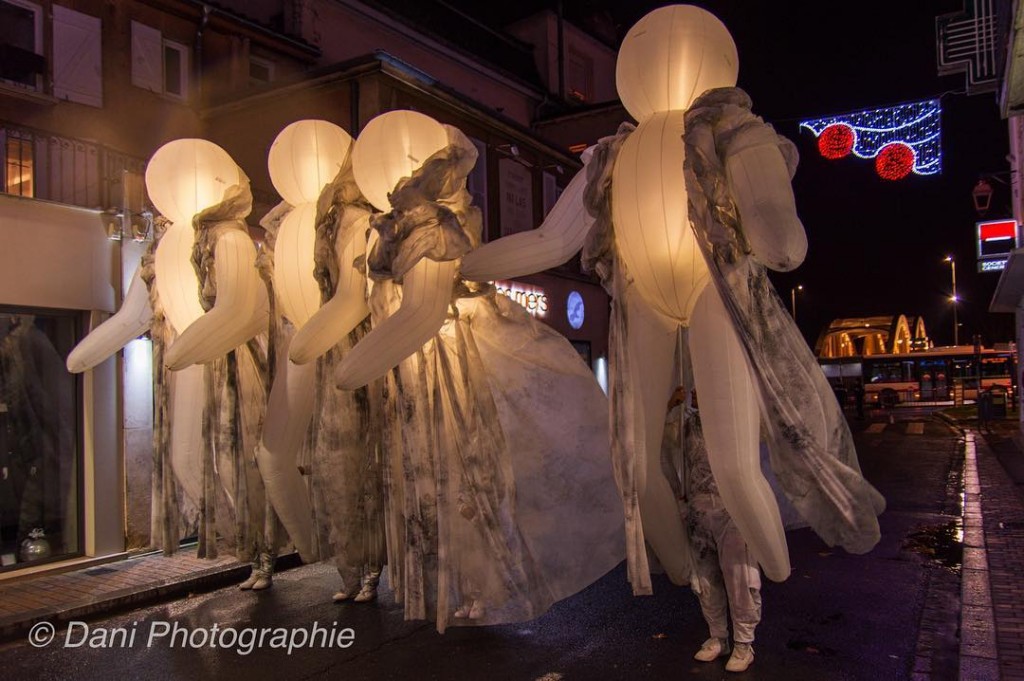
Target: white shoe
{"points": [[366, 594], [741, 658], [712, 649]]}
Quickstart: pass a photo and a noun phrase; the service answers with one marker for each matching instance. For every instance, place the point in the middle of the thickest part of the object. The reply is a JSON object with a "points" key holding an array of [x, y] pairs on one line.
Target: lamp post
{"points": [[792, 299], [953, 299]]}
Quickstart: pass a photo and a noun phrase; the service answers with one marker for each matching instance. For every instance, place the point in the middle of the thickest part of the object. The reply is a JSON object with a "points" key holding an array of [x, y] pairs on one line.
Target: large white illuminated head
{"points": [[672, 56], [186, 176], [305, 157], [391, 147]]}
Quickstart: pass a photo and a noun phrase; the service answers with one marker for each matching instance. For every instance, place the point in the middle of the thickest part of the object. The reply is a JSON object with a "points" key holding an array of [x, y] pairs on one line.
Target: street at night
{"points": [[552, 340], [839, 616]]}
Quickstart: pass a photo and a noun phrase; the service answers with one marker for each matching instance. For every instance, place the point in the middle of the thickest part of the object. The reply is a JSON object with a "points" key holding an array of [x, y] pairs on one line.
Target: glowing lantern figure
{"points": [[236, 310], [304, 158], [183, 177], [389, 148], [477, 457], [669, 58]]}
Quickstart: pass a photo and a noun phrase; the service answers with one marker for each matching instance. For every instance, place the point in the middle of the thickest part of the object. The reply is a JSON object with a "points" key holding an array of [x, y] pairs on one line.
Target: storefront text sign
{"points": [[534, 299]]}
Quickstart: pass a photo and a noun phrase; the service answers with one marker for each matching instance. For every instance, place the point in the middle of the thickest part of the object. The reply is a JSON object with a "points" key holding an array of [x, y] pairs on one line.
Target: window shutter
{"points": [[77, 57], [147, 57]]}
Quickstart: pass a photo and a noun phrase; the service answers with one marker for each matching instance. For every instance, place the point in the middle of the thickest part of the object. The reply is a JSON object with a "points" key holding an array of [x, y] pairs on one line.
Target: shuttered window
{"points": [[159, 65], [21, 44], [77, 57], [147, 57]]}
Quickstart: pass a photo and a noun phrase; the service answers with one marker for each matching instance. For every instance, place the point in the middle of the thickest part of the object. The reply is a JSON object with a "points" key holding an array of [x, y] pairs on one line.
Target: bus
{"points": [[945, 374]]}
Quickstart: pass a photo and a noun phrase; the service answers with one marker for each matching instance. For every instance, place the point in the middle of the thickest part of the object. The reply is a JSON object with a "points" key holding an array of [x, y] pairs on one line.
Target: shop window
{"points": [[261, 71], [40, 472], [158, 64], [18, 166], [21, 44]]}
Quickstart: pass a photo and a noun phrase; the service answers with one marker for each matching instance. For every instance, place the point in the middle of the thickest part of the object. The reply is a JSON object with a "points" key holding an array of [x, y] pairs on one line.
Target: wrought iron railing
{"points": [[44, 165]]}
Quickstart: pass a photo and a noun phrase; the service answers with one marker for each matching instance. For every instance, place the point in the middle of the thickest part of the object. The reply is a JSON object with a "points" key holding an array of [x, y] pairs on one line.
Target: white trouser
{"points": [[730, 581]]}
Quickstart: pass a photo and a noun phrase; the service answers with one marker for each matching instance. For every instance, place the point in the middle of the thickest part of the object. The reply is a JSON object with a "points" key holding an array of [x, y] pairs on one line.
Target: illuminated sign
{"points": [[996, 239], [534, 299], [574, 310]]}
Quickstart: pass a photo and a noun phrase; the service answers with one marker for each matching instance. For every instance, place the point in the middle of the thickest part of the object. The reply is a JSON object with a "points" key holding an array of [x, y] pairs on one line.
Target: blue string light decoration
{"points": [[902, 139]]}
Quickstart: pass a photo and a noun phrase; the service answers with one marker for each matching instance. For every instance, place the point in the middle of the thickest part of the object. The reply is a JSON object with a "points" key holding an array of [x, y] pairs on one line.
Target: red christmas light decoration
{"points": [[894, 161], [836, 141]]}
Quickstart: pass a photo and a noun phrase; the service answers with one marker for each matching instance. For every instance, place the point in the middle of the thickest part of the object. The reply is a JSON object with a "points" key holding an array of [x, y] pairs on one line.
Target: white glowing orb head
{"points": [[391, 147], [672, 56], [305, 157], [186, 176]]}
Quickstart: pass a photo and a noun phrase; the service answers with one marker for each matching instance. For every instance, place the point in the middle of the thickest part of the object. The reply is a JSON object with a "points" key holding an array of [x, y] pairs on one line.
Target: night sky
{"points": [[876, 247]]}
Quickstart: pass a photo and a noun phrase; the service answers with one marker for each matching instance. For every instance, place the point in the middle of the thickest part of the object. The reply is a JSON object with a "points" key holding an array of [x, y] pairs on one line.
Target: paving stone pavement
{"points": [[102, 589], [1002, 509]]}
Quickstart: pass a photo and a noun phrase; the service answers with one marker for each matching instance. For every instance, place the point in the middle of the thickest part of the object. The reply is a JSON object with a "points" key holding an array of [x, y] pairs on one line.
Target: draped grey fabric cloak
{"points": [[497, 477], [235, 401], [345, 467]]}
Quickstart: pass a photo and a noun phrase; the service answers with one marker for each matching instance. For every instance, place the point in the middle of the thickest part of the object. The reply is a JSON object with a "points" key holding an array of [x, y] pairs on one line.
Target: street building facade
{"points": [[89, 90]]}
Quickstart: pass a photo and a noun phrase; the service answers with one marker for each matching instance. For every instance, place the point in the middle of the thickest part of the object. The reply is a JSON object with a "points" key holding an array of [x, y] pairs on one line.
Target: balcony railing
{"points": [[46, 166]]}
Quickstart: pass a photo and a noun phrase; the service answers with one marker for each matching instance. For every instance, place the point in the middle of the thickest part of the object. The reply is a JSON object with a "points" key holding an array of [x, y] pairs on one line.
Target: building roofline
{"points": [[409, 76], [220, 16], [399, 23]]}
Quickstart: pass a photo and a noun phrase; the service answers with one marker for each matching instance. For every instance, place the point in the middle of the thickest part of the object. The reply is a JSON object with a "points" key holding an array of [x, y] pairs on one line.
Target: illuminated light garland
{"points": [[916, 128], [836, 141], [894, 161]]}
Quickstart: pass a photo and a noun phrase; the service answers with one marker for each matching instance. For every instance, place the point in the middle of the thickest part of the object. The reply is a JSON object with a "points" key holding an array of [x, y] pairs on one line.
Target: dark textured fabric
{"points": [[821, 478]]}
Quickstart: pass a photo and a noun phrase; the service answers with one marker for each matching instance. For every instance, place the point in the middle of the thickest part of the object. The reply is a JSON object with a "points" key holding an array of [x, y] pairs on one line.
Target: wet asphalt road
{"points": [[837, 617]]}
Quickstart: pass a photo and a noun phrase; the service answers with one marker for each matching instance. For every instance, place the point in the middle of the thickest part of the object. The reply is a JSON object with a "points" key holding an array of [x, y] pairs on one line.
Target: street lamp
{"points": [[792, 298], [953, 299]]}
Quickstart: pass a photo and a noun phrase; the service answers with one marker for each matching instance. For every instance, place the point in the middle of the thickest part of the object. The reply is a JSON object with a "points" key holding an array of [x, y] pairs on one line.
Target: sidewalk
{"points": [[108, 588], [992, 614]]}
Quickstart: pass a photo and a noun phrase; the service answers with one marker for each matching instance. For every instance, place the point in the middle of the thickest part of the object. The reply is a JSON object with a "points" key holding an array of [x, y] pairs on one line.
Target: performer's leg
{"points": [[652, 345], [730, 419], [741, 575]]}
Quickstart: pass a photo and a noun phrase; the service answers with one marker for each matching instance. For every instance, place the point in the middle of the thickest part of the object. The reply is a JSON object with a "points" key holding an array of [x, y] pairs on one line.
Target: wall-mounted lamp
{"points": [[983, 191], [982, 196], [512, 151], [138, 226]]}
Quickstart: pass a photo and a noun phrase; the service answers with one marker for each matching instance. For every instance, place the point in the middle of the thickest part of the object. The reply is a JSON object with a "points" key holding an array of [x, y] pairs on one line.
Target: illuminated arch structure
{"points": [[863, 336]]}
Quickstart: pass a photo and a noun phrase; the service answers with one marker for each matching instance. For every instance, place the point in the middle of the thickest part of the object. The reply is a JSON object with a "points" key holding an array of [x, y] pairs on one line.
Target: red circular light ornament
{"points": [[894, 161], [836, 141]]}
